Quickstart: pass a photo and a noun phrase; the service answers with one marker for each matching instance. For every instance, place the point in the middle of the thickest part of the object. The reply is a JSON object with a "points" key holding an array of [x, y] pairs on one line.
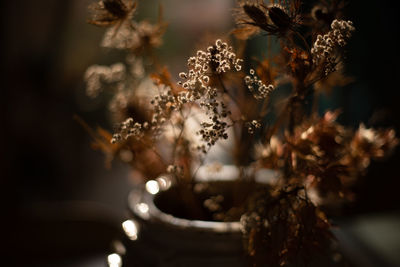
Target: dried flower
{"points": [[96, 76], [299, 63], [273, 19], [170, 128], [163, 105], [325, 48], [218, 59], [111, 12], [370, 144], [135, 36], [252, 126], [271, 154], [127, 129], [284, 226], [258, 89], [317, 150]]}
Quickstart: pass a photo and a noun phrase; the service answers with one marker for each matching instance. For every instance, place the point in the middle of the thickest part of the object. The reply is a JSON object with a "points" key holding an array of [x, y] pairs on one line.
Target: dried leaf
{"points": [[163, 77]]}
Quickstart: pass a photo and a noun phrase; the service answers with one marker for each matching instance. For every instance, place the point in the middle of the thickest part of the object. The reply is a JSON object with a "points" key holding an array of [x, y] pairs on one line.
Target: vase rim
{"points": [[141, 203]]}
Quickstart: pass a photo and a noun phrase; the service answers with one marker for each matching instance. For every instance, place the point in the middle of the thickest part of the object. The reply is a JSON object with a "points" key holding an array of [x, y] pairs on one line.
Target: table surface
{"points": [[368, 240]]}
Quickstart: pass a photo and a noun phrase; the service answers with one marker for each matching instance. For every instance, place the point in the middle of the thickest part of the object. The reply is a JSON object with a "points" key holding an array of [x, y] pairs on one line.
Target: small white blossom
{"points": [[127, 129], [252, 126], [257, 87]]}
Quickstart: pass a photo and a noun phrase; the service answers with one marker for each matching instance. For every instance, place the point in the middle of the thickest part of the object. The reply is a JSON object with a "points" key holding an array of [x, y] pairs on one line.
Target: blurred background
{"points": [[61, 207]]}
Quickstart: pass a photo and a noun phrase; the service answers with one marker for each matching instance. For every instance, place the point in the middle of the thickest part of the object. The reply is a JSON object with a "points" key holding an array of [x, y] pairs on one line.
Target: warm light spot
{"points": [[164, 183], [152, 187], [130, 229], [114, 260], [142, 207]]}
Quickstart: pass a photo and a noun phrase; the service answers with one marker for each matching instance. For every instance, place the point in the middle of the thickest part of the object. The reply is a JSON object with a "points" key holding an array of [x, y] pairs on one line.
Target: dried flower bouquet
{"points": [[169, 127]]}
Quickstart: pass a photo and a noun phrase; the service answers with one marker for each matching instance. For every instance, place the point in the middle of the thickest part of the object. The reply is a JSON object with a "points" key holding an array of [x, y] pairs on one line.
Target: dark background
{"points": [[54, 185]]}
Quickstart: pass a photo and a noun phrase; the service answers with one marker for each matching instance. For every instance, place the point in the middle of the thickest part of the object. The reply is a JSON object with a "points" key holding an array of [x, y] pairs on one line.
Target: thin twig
{"points": [[229, 94]]}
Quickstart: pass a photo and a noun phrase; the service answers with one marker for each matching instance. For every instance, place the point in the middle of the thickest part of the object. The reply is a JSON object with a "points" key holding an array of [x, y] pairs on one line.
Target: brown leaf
{"points": [[245, 32], [163, 77]]}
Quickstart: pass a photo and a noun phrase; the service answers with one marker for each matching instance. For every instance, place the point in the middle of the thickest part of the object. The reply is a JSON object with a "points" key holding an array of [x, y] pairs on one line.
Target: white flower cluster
{"points": [[211, 132], [96, 75], [129, 128], [257, 87], [218, 112], [163, 103], [218, 59], [324, 48]]}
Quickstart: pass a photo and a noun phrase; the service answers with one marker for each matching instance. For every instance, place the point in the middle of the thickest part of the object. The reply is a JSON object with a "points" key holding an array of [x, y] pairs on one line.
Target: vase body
{"points": [[153, 237], [165, 240], [157, 238]]}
